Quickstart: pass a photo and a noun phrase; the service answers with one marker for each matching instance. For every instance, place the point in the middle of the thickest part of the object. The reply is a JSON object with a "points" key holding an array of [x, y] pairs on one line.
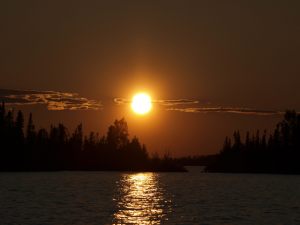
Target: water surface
{"points": [[90, 198]]}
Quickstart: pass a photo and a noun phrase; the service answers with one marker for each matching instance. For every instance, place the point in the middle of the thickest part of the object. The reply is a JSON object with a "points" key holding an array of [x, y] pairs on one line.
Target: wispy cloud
{"points": [[233, 110], [52, 99], [196, 106], [169, 102], [121, 101]]}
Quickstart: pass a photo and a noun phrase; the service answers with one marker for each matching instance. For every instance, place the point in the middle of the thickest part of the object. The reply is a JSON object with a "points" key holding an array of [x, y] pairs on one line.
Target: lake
{"points": [[90, 198]]}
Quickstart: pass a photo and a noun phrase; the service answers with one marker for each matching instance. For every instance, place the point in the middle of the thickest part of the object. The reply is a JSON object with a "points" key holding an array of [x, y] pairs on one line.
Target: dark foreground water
{"points": [[88, 198]]}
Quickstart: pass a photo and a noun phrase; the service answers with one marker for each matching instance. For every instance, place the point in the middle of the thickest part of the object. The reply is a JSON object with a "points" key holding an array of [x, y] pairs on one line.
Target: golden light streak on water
{"points": [[141, 200]]}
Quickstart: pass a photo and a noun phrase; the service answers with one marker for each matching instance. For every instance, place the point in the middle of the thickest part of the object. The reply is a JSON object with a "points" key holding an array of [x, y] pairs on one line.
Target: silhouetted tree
{"points": [[2, 117], [237, 145], [59, 150], [19, 125], [30, 131], [280, 154], [226, 146], [117, 134]]}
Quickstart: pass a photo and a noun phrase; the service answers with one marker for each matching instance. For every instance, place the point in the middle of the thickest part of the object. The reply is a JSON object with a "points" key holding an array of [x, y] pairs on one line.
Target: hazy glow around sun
{"points": [[141, 103]]}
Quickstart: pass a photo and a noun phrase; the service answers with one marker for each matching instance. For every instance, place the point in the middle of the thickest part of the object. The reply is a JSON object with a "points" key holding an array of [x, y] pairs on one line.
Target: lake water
{"points": [[90, 198]]}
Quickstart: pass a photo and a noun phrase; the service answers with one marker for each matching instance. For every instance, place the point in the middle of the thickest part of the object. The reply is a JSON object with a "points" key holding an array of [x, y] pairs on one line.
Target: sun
{"points": [[141, 103]]}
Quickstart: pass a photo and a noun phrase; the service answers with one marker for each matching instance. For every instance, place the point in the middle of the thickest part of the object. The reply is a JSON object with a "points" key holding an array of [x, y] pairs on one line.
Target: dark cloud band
{"points": [[52, 99], [181, 105], [233, 110], [169, 102]]}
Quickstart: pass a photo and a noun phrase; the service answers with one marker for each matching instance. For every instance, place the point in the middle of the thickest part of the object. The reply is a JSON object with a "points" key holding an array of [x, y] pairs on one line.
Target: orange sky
{"points": [[230, 54]]}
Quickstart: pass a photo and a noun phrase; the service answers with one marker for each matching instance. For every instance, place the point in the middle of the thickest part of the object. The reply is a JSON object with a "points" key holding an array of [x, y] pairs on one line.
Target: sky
{"points": [[211, 67]]}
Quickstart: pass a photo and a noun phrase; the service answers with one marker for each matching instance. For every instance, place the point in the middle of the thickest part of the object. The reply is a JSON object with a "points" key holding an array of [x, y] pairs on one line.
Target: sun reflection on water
{"points": [[140, 200]]}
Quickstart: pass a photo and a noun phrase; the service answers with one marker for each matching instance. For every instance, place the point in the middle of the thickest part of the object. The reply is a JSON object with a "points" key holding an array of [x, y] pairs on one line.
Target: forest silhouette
{"points": [[27, 149], [24, 148], [277, 152]]}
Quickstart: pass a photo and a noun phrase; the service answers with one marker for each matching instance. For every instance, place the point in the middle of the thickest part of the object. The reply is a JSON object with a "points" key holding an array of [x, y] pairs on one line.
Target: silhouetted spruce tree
{"points": [[280, 154], [9, 139], [226, 146], [19, 125], [247, 140], [135, 153], [42, 155], [59, 150], [117, 135], [2, 118], [75, 145], [263, 141], [237, 145], [3, 138], [30, 132]]}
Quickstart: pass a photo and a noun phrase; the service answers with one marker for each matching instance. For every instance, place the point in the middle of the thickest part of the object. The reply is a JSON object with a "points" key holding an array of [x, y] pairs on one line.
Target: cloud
{"points": [[121, 101], [184, 105], [170, 102], [233, 110], [52, 99]]}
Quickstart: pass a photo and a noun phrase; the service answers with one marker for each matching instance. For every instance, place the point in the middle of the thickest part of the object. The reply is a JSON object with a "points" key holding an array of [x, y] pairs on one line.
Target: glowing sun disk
{"points": [[141, 103]]}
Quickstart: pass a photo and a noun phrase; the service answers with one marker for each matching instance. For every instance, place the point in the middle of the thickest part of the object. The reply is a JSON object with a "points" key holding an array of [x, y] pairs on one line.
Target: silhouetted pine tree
{"points": [[117, 135], [59, 150], [19, 125], [30, 132], [280, 154]]}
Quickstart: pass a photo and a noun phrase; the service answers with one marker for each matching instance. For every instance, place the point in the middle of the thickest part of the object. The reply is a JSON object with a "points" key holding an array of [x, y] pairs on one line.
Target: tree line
{"points": [[276, 152], [25, 148]]}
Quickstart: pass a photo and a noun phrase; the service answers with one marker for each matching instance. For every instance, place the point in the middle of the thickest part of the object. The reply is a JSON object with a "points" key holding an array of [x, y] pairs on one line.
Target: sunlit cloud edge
{"points": [[53, 100], [231, 110], [168, 102]]}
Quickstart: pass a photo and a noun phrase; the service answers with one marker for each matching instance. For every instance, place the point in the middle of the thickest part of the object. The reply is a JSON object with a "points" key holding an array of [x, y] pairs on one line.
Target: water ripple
{"points": [[140, 200]]}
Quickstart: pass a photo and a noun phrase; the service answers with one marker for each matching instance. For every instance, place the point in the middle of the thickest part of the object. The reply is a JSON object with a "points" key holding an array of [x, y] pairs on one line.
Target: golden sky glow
{"points": [[77, 62]]}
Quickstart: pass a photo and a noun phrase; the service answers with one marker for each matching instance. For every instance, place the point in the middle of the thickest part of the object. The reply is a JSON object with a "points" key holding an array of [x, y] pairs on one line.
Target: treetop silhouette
{"points": [[58, 149]]}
